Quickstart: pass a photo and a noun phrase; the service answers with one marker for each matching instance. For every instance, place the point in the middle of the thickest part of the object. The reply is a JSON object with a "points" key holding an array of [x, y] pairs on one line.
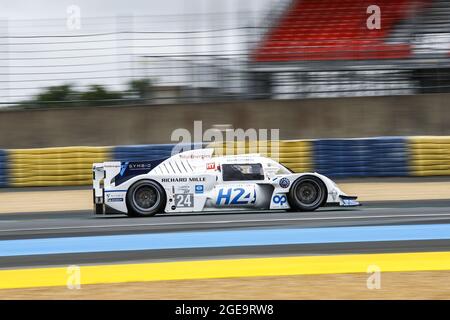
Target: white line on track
{"points": [[230, 221]]}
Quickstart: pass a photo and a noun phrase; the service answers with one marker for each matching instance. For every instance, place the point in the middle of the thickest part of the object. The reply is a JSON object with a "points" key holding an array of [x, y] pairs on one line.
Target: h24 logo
{"points": [[236, 196]]}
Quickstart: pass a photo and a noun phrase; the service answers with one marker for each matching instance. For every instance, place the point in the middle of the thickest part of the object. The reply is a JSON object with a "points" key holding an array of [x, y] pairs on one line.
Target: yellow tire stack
{"points": [[65, 166], [429, 156], [294, 154]]}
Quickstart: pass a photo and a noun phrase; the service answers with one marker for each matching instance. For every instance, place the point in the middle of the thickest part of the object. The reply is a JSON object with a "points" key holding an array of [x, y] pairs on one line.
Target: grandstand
{"points": [[325, 49], [335, 30]]}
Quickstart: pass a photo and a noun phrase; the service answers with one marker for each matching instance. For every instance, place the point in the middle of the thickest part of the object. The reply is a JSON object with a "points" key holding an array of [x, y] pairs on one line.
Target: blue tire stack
{"points": [[369, 157]]}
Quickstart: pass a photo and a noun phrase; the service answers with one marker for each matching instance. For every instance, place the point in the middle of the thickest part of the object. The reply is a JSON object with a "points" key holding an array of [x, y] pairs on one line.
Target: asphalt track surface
{"points": [[47, 225]]}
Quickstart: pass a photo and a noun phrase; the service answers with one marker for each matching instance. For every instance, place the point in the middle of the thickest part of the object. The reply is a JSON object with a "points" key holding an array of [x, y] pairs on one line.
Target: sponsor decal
{"points": [[139, 166], [193, 179], [132, 169], [235, 196], [114, 197], [240, 160], [134, 166], [184, 200], [195, 156], [280, 200], [197, 179], [211, 166], [349, 202], [284, 183], [199, 188], [183, 189], [114, 194]]}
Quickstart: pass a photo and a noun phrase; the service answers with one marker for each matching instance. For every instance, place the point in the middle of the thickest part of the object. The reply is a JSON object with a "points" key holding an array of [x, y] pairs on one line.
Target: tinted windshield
{"points": [[242, 172]]}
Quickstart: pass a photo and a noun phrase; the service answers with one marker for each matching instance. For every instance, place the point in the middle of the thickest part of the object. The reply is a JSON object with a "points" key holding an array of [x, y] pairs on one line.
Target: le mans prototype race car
{"points": [[195, 181]]}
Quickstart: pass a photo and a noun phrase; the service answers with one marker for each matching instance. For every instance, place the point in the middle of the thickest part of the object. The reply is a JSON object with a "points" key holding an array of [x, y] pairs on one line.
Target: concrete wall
{"points": [[296, 119]]}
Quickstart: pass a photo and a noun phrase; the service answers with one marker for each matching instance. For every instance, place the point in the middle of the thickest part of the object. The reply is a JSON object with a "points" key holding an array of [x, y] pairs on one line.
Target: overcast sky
{"points": [[31, 63], [41, 9]]}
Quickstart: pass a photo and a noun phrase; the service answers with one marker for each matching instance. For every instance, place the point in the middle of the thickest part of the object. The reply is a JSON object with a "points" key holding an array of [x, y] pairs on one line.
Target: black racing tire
{"points": [[307, 193], [145, 198]]}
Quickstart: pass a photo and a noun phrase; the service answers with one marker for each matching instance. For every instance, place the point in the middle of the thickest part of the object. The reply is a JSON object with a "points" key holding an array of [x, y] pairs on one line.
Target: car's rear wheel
{"points": [[145, 198], [307, 193]]}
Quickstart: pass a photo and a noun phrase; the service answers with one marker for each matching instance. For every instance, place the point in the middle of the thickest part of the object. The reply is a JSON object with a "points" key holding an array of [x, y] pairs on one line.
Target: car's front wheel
{"points": [[307, 193], [145, 198]]}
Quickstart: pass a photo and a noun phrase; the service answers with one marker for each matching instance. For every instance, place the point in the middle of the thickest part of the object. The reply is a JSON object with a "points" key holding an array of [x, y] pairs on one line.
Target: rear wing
{"points": [[105, 175], [102, 174], [98, 176]]}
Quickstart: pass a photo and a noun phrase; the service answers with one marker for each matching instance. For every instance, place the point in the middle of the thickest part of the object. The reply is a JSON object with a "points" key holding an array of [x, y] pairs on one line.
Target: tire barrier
{"points": [[430, 156], [367, 157], [66, 166], [3, 169], [296, 154], [371, 157]]}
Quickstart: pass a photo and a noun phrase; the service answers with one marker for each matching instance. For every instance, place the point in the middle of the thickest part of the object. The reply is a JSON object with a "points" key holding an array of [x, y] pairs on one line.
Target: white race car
{"points": [[195, 181]]}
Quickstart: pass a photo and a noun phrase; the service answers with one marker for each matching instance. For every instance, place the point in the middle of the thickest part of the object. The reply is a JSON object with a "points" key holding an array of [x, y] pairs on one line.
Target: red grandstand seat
{"points": [[334, 30]]}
